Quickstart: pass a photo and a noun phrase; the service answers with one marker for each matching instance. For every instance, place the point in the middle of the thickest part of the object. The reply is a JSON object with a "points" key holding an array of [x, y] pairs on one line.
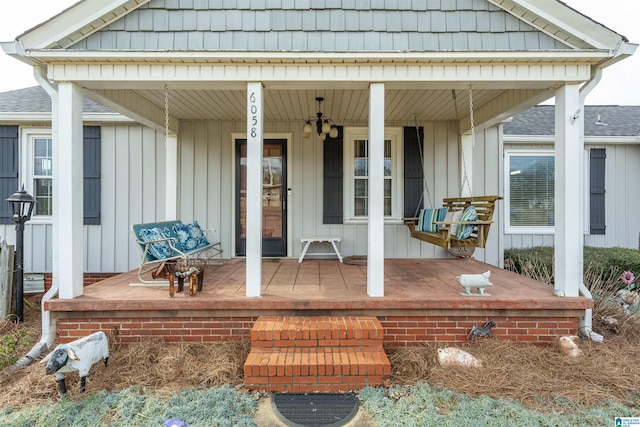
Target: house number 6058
{"points": [[253, 111]]}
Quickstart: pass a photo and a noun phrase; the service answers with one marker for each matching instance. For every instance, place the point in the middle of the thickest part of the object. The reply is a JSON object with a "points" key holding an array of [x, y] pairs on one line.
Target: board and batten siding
{"points": [[207, 185], [621, 212], [132, 191]]}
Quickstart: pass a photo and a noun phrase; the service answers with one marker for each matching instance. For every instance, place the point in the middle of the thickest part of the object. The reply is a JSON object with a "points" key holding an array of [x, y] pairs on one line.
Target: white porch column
{"points": [[375, 263], [171, 178], [466, 165], [568, 192], [67, 174], [255, 126]]}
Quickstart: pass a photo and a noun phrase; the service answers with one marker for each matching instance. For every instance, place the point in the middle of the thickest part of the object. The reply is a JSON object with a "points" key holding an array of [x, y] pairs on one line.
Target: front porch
{"points": [[422, 303]]}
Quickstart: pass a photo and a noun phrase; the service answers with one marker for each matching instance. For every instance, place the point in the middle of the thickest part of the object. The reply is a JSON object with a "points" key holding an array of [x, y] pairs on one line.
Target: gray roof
{"points": [[36, 100], [599, 120]]}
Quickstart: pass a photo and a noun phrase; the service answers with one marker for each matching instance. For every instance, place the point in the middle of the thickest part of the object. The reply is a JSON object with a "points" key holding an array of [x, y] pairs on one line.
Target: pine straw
{"points": [[150, 364], [538, 377]]}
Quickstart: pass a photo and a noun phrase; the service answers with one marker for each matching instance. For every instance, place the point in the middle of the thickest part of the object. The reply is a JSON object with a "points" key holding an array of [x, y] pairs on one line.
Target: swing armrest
{"points": [[446, 223]]}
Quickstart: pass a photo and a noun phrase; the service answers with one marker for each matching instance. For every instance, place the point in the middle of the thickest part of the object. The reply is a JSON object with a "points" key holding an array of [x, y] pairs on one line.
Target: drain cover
{"points": [[315, 410]]}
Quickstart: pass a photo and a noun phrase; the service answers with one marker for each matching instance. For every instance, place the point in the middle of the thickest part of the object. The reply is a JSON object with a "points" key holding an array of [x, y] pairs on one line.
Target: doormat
{"points": [[315, 410]]}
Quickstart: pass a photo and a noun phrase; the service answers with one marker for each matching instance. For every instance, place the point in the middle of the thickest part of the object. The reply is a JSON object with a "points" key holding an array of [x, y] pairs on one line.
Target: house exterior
{"points": [[612, 167], [220, 92]]}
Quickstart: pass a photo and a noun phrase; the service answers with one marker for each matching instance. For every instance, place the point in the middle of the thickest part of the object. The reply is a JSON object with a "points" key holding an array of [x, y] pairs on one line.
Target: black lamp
{"points": [[22, 204]]}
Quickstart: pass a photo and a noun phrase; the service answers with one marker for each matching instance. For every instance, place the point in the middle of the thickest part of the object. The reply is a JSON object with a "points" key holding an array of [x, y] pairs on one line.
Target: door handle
{"points": [[284, 204]]}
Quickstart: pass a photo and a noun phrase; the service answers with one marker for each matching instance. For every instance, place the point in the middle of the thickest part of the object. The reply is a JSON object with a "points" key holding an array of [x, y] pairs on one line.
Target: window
{"points": [[530, 198], [38, 166], [42, 176], [357, 164]]}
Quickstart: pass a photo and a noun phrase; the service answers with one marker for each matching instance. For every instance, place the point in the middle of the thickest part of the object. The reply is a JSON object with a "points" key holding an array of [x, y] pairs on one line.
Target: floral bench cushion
{"points": [[190, 236]]}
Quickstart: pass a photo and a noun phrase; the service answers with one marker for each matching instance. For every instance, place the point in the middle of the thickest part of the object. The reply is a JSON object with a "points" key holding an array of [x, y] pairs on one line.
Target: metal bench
{"points": [[159, 242]]}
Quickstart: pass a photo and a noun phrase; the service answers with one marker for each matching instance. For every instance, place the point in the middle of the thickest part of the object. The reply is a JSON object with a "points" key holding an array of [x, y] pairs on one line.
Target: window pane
{"points": [[387, 197], [360, 167], [42, 190], [531, 191], [42, 173], [361, 201], [360, 148], [42, 163]]}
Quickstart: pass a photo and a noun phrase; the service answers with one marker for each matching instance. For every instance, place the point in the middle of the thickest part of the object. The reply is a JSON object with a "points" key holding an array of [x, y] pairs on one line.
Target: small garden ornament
{"points": [[484, 331], [470, 281], [568, 346], [455, 357]]}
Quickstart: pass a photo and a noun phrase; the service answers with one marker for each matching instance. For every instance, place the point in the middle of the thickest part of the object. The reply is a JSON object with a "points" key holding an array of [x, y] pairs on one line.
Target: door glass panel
{"points": [[272, 191]]}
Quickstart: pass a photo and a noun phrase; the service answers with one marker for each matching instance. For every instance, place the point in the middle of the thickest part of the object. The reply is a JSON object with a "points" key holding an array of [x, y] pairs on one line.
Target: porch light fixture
{"points": [[324, 125], [21, 204]]}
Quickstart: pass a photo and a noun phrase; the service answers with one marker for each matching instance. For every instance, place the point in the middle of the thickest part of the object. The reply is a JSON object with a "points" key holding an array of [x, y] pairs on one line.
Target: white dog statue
{"points": [[470, 281]]}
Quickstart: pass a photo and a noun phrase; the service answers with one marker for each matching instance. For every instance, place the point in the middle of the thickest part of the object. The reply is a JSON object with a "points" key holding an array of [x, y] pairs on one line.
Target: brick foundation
{"points": [[399, 331]]}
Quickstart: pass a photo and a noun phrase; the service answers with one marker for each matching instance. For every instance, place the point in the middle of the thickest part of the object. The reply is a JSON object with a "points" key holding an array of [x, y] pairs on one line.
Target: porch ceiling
{"points": [[342, 105]]}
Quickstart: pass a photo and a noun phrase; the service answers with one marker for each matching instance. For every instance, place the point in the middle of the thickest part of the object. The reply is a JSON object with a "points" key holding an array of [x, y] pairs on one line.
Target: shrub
{"points": [[537, 262]]}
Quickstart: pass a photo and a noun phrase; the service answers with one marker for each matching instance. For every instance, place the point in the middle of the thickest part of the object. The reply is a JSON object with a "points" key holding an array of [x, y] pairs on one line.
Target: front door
{"points": [[274, 198]]}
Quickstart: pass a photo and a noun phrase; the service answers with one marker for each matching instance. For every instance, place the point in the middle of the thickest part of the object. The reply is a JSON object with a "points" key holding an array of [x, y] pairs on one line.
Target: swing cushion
{"points": [[427, 218], [469, 215], [453, 216]]}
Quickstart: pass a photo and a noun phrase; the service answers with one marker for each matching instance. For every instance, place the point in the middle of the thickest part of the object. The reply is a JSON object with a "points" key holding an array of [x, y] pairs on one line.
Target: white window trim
{"points": [[27, 135], [508, 229], [395, 134]]}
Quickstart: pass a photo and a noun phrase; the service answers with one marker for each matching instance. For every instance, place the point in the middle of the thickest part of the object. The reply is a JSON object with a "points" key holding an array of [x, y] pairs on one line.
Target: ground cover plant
{"points": [[150, 382]]}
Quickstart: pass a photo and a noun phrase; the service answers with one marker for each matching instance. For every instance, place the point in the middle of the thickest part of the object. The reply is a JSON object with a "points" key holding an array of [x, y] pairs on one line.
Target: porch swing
{"points": [[462, 224]]}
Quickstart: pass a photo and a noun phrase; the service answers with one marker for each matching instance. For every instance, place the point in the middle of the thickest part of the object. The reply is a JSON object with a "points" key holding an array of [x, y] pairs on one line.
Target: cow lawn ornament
{"points": [[78, 355]]}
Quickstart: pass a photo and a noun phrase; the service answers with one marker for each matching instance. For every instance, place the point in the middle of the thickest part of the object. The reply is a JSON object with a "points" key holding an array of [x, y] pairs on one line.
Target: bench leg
{"points": [[172, 288], [335, 248], [304, 251]]}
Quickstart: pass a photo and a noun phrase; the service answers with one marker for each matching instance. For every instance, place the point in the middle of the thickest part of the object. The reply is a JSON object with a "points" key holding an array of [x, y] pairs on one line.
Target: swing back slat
{"points": [[485, 207]]}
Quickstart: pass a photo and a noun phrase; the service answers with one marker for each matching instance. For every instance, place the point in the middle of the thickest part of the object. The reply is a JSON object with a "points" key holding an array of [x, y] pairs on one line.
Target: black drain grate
{"points": [[315, 410]]}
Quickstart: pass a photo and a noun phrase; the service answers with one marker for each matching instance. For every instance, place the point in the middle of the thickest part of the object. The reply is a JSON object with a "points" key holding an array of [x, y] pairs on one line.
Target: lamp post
{"points": [[22, 204]]}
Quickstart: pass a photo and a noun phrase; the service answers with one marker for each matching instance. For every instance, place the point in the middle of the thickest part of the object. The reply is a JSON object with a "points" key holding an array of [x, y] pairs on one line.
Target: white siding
{"points": [[215, 179], [133, 191]]}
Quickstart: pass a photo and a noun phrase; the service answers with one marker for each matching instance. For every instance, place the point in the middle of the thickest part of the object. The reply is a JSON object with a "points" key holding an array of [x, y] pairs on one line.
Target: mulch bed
{"points": [[538, 377]]}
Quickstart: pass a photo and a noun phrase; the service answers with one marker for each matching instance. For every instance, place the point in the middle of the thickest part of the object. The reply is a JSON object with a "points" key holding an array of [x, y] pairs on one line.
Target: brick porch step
{"points": [[316, 354]]}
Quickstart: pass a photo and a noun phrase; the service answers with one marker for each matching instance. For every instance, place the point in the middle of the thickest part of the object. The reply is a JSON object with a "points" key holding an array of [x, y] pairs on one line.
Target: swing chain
{"points": [[465, 177], [166, 113], [424, 177]]}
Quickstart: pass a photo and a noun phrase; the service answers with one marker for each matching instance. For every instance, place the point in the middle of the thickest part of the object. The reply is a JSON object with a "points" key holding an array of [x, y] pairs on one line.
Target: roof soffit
{"points": [[563, 23]]}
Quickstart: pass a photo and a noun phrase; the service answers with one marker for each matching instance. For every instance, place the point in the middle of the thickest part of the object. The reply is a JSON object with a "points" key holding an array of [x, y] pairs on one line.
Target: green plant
{"points": [[537, 262], [12, 343]]}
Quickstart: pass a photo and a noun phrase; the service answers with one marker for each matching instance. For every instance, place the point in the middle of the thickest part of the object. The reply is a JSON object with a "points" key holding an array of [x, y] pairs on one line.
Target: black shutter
{"points": [[8, 169], [333, 176], [413, 173], [91, 167], [597, 190]]}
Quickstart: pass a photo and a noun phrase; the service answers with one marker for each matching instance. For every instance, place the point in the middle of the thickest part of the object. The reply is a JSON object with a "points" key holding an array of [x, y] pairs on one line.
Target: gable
{"points": [[319, 26]]}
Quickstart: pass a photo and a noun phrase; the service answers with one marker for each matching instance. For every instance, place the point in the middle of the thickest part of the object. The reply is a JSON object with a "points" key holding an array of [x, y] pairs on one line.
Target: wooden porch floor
{"points": [[327, 286]]}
